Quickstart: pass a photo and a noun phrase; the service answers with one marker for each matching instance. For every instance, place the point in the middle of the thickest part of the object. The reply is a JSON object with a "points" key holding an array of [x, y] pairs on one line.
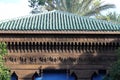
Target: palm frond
{"points": [[98, 9], [106, 6]]}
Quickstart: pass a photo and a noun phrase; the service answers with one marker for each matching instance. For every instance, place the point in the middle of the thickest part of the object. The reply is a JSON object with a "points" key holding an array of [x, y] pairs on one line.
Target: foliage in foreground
{"points": [[81, 7], [114, 73], [4, 72], [111, 16]]}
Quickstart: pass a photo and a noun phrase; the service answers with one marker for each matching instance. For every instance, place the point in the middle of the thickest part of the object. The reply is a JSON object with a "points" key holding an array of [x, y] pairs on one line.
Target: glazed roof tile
{"points": [[57, 21]]}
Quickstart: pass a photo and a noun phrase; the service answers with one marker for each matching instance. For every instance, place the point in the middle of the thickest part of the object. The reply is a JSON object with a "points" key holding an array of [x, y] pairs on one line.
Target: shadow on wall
{"points": [[93, 53]]}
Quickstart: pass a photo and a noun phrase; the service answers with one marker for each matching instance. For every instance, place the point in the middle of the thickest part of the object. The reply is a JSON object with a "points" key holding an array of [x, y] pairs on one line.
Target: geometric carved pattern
{"points": [[47, 59]]}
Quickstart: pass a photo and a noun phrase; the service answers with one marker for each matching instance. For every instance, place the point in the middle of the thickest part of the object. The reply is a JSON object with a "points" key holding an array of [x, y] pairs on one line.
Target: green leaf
{"points": [[4, 72]]}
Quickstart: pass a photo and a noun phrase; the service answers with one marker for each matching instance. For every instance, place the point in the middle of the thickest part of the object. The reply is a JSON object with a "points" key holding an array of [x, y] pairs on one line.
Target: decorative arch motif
{"points": [[36, 76], [94, 75], [73, 76], [14, 76], [99, 76]]}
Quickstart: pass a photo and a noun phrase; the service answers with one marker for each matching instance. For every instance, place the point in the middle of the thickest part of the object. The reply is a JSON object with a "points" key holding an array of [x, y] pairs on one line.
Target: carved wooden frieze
{"points": [[59, 59], [57, 38]]}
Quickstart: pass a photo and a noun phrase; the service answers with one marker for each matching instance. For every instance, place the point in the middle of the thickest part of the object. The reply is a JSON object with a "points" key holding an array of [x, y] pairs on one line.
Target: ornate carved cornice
{"points": [[58, 47]]}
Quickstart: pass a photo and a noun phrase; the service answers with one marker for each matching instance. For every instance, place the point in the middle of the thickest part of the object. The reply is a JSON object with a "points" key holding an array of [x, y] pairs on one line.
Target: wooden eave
{"points": [[59, 32]]}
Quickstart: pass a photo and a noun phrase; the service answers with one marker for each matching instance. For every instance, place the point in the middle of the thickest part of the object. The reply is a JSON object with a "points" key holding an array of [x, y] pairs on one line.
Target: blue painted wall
{"points": [[55, 76]]}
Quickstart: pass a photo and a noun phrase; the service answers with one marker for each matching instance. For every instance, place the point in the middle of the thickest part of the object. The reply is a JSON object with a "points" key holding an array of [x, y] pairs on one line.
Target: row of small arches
{"points": [[50, 75], [61, 75]]}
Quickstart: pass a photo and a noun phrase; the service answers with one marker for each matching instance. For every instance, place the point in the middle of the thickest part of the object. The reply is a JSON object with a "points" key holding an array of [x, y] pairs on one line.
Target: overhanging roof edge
{"points": [[59, 32]]}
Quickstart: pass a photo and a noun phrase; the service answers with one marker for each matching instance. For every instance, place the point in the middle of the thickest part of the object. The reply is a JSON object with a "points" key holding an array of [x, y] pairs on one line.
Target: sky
{"points": [[117, 4], [13, 8], [16, 8]]}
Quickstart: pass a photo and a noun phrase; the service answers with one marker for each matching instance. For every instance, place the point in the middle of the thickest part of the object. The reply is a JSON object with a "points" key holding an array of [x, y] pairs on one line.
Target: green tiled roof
{"points": [[57, 21]]}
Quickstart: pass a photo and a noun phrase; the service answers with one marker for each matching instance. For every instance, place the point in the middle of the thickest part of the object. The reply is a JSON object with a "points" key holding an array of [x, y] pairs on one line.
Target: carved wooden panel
{"points": [[59, 59]]}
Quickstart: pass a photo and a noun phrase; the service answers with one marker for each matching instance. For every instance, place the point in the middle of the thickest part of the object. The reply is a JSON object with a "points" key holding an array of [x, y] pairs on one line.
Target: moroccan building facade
{"points": [[81, 46]]}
